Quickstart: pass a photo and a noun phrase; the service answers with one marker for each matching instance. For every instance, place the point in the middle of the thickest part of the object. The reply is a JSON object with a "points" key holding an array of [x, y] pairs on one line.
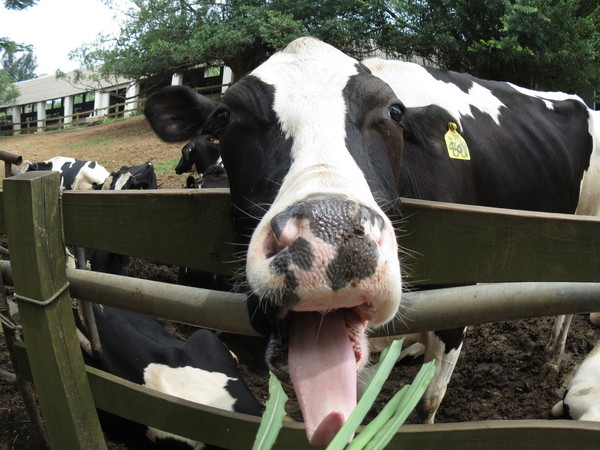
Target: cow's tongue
{"points": [[322, 366]]}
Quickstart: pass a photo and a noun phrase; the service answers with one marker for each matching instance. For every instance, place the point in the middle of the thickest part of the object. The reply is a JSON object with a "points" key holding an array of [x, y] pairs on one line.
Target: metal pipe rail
{"points": [[426, 310]]}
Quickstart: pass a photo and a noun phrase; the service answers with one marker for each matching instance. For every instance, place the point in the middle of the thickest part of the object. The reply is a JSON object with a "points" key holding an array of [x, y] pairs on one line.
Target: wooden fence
{"points": [[449, 244]]}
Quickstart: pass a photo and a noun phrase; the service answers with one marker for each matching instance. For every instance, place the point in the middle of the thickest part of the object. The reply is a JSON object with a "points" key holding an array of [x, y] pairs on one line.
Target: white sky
{"points": [[55, 27]]}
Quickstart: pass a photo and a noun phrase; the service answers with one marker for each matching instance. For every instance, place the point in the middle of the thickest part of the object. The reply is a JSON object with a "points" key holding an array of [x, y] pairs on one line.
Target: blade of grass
{"points": [[272, 419], [410, 400], [386, 364], [375, 425]]}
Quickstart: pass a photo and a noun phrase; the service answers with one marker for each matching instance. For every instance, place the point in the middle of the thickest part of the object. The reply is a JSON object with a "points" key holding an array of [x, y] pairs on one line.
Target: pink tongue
{"points": [[323, 368]]}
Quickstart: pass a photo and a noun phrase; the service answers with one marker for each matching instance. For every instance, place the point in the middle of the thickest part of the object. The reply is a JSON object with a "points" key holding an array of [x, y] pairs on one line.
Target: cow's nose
{"points": [[333, 220], [335, 232]]}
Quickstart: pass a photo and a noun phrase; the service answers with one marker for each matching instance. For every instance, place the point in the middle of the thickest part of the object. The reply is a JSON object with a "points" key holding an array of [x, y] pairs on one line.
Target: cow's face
{"points": [[311, 142]]}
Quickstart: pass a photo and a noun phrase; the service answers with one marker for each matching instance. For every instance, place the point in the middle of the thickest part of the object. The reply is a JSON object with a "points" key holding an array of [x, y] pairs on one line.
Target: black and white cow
{"points": [[201, 155], [137, 347], [131, 177], [582, 397], [198, 154], [319, 147], [201, 369], [74, 173]]}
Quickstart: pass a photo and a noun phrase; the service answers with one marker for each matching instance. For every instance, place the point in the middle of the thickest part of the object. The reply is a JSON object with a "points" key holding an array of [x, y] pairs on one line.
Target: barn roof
{"points": [[50, 87]]}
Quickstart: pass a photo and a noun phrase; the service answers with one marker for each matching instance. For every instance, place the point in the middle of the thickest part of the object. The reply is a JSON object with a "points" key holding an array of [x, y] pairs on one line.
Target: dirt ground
{"points": [[498, 375]]}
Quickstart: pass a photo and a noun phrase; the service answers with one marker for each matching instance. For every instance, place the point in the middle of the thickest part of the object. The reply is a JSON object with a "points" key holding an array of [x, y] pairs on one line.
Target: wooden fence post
{"points": [[34, 227]]}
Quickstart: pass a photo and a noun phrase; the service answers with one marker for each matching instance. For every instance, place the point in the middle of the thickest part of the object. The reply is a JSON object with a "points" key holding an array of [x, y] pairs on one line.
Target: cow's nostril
{"points": [[285, 229], [272, 245]]}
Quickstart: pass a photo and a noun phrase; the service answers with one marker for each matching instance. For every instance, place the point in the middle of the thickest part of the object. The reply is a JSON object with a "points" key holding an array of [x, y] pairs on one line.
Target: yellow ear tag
{"points": [[456, 145]]}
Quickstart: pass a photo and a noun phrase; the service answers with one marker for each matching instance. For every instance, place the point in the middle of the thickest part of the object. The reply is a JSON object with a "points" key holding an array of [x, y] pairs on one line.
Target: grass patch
{"points": [[167, 166], [93, 142]]}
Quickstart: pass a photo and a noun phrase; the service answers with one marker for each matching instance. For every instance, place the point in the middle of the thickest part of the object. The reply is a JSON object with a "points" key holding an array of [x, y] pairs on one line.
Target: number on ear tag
{"points": [[456, 145]]}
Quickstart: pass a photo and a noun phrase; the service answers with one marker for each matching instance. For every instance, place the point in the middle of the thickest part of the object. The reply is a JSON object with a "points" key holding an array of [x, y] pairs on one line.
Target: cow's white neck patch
{"points": [[416, 87], [309, 77], [547, 97], [190, 383]]}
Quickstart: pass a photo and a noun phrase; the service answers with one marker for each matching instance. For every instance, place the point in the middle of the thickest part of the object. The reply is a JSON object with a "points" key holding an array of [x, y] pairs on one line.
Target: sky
{"points": [[55, 27]]}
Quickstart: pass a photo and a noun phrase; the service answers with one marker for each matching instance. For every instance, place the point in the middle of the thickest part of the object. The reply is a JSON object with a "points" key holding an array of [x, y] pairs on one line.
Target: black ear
{"points": [[177, 113]]}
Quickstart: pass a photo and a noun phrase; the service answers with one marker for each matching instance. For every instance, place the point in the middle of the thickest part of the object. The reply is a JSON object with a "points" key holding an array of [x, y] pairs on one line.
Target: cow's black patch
{"points": [[451, 338], [69, 172], [356, 260]]}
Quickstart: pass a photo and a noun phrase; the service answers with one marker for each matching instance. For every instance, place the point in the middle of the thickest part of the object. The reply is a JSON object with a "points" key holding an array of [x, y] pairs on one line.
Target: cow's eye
{"points": [[222, 118], [396, 113]]}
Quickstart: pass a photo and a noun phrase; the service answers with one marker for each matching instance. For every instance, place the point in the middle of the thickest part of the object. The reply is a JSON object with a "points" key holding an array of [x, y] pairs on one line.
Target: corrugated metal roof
{"points": [[50, 87]]}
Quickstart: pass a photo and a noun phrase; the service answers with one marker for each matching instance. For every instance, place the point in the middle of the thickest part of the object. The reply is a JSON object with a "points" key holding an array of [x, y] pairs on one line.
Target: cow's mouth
{"points": [[325, 352]]}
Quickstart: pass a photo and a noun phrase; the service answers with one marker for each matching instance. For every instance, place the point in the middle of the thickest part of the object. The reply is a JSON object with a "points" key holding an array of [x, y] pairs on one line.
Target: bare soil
{"points": [[498, 375]]}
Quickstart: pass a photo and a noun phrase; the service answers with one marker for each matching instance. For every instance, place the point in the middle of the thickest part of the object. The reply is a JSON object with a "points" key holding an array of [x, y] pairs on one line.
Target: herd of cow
{"points": [[317, 148]]}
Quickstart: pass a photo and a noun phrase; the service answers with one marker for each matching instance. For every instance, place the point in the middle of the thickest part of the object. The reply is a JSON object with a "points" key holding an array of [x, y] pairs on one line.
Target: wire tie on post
{"points": [[43, 302]]}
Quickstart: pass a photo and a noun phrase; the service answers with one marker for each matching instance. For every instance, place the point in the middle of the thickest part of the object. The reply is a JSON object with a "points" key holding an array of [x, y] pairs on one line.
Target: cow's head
{"points": [[198, 153], [311, 142], [131, 177]]}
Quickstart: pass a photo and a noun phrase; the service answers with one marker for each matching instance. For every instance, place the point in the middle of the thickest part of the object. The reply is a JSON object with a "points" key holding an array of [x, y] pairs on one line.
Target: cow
{"points": [[74, 174], [581, 400], [198, 154], [319, 147], [201, 369], [201, 155], [137, 347], [85, 175], [131, 177]]}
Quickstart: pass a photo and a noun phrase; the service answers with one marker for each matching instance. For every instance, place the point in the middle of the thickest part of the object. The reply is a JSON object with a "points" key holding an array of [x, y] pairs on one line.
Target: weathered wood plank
{"points": [[443, 244], [186, 227], [37, 256], [458, 244]]}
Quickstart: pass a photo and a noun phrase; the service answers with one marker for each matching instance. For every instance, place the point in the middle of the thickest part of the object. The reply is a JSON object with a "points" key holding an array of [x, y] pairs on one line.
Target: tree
{"points": [[8, 91], [19, 4], [542, 44], [165, 36], [19, 68]]}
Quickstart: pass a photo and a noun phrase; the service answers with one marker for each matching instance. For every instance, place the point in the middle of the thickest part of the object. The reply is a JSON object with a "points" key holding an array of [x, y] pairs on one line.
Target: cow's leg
{"points": [[556, 347], [444, 347]]}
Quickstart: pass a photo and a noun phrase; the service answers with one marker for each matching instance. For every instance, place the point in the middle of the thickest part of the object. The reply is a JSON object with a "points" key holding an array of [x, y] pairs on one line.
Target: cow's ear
{"points": [[426, 126], [177, 113]]}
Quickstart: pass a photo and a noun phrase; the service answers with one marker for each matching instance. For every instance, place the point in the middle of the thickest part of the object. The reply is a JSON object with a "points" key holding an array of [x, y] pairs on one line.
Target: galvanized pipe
{"points": [[420, 311]]}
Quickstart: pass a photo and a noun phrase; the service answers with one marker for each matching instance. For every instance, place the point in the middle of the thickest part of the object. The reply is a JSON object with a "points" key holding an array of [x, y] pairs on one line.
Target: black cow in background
{"points": [[201, 155], [201, 369], [137, 347], [131, 177]]}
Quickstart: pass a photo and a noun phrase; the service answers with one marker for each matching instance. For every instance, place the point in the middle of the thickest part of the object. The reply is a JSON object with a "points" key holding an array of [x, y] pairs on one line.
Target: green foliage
{"points": [[535, 43], [8, 91], [19, 4], [543, 44], [20, 68]]}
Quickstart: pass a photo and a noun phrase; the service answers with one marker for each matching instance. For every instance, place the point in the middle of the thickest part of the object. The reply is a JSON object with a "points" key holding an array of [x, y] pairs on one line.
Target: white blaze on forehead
{"points": [[309, 77], [415, 87]]}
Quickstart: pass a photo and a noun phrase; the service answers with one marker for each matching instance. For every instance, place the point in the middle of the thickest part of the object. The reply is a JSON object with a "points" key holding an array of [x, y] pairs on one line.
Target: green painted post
{"points": [[34, 227]]}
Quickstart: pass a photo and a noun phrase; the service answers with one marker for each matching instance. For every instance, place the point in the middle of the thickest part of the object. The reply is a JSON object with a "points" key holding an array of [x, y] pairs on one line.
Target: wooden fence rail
{"points": [[449, 244]]}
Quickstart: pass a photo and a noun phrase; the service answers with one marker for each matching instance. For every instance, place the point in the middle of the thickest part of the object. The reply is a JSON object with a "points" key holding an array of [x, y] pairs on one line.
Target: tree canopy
{"points": [[542, 44]]}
